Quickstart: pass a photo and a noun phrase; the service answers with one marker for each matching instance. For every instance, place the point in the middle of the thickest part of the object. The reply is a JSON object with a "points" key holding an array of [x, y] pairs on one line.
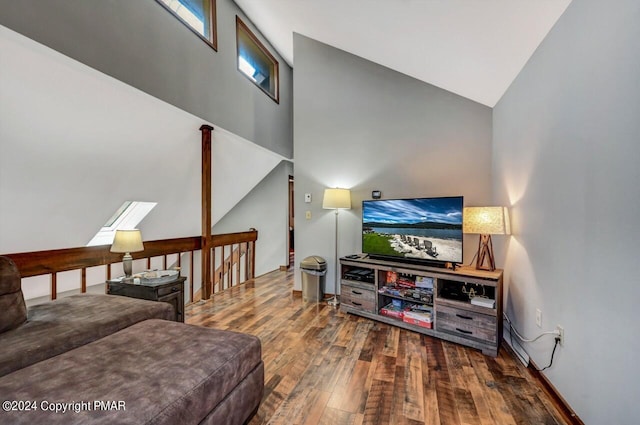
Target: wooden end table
{"points": [[168, 289]]}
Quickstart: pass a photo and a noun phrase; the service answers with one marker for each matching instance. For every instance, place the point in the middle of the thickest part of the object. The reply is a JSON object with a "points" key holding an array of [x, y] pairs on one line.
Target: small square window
{"points": [[256, 62], [198, 15]]}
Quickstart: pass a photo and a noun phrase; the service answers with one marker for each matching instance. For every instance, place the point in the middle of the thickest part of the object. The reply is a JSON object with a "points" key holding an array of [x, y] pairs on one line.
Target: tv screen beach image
{"points": [[421, 229]]}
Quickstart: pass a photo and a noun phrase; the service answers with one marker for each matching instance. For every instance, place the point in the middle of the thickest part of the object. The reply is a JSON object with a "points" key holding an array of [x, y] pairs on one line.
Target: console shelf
{"points": [[453, 317]]}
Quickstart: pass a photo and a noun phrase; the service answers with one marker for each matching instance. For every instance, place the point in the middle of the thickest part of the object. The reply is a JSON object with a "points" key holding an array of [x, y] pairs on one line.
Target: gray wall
{"points": [[362, 126], [140, 43], [266, 206], [566, 150]]}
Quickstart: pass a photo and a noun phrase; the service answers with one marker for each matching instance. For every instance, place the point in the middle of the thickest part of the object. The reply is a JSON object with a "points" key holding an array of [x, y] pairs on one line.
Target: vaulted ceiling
{"points": [[474, 48]]}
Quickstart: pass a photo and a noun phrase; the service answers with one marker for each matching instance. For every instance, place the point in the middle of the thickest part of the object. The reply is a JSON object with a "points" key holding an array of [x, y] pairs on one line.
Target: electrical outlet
{"points": [[538, 317], [560, 331]]}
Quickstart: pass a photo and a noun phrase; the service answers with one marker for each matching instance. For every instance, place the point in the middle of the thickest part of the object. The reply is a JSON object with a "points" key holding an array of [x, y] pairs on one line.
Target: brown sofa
{"points": [[108, 359]]}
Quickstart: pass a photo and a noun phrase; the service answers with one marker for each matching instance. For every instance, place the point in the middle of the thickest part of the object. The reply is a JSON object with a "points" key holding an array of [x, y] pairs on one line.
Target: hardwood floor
{"points": [[326, 367]]}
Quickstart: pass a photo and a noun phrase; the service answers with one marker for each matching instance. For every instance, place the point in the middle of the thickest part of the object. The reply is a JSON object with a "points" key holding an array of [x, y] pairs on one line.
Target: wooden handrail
{"points": [[233, 238], [51, 262], [60, 260]]}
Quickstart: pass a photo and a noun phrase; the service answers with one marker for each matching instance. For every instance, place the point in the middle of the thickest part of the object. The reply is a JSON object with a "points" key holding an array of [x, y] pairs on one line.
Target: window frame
{"points": [[213, 27], [241, 26], [126, 217]]}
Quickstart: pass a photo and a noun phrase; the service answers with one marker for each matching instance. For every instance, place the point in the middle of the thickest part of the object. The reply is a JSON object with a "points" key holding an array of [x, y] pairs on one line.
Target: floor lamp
{"points": [[486, 221], [336, 199]]}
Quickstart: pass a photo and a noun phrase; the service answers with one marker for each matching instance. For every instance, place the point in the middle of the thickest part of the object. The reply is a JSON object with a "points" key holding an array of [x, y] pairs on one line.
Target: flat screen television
{"points": [[418, 230]]}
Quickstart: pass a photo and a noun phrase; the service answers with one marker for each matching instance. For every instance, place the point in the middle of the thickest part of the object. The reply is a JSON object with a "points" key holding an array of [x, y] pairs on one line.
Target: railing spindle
{"points": [[54, 285], [238, 265]]}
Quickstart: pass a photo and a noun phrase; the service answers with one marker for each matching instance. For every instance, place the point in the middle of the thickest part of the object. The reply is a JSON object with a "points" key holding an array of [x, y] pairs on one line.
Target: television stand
{"points": [[430, 300]]}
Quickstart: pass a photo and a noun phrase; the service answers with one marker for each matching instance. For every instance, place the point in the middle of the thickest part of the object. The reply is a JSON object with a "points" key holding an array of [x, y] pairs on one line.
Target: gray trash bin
{"points": [[314, 270]]}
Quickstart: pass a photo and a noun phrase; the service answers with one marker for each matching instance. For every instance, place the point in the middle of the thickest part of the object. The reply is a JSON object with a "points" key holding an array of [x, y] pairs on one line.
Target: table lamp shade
{"points": [[127, 241], [486, 221], [336, 199]]}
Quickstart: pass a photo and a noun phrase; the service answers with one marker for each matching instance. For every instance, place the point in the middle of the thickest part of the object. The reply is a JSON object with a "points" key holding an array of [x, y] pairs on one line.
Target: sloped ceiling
{"points": [[76, 143], [474, 48]]}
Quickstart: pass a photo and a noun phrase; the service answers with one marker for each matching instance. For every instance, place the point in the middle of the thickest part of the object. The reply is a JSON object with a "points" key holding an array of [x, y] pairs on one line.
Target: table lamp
{"points": [[127, 241], [336, 199], [486, 221]]}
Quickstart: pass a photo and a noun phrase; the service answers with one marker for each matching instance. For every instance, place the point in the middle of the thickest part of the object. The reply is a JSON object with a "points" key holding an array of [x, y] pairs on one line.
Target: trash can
{"points": [[314, 269]]}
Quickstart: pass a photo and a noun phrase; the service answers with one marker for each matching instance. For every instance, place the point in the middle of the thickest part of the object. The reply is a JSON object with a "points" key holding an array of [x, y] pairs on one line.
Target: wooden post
{"points": [[206, 211]]}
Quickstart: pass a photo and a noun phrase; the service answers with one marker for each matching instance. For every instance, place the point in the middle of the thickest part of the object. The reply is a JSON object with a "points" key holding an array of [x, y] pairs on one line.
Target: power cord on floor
{"points": [[523, 339], [552, 353]]}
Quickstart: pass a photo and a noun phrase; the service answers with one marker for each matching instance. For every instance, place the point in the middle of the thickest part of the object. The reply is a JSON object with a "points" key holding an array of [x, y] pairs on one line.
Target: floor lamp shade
{"points": [[486, 221], [127, 241], [336, 199]]}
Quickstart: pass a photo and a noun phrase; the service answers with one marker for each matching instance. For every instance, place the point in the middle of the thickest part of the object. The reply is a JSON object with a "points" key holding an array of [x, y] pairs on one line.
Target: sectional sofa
{"points": [[110, 359]]}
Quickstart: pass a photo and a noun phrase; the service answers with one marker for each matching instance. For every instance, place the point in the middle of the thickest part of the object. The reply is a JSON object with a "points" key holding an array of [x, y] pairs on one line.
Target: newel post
{"points": [[206, 211]]}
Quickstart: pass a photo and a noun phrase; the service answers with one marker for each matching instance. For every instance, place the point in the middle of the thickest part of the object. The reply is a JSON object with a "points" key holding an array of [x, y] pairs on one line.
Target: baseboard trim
{"points": [[298, 294], [560, 403]]}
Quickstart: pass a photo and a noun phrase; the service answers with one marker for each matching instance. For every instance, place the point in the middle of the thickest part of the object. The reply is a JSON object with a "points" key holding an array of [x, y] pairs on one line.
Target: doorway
{"points": [[290, 236]]}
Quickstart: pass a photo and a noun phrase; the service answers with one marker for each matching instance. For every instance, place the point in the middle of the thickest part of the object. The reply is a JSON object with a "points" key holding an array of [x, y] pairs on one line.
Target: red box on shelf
{"points": [[392, 277], [418, 319], [390, 311]]}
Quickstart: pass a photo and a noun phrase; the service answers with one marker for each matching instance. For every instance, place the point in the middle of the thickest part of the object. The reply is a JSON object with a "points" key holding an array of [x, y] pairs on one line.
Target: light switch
{"points": [[307, 215], [307, 198]]}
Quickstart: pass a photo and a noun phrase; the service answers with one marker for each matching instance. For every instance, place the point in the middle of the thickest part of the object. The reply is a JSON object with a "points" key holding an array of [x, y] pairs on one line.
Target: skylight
{"points": [[126, 217]]}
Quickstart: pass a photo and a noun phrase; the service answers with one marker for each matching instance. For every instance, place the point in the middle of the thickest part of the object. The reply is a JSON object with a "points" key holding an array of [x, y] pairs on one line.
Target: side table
{"points": [[168, 290]]}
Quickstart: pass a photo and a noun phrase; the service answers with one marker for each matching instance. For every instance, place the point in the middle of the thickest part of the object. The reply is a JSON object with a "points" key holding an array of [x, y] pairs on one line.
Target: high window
{"points": [[256, 62], [197, 15]]}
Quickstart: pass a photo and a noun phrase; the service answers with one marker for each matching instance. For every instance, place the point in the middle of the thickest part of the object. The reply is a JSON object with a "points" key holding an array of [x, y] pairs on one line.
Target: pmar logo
{"points": [[109, 405]]}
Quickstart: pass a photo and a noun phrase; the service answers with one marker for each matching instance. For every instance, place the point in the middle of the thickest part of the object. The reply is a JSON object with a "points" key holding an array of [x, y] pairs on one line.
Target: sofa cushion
{"points": [[58, 326], [13, 310], [164, 372]]}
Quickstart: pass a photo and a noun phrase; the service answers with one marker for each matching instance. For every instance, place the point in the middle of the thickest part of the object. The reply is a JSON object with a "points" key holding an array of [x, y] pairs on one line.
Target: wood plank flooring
{"points": [[323, 366]]}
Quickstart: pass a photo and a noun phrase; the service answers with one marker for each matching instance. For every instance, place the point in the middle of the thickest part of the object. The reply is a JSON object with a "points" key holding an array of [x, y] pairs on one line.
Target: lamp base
{"points": [[127, 264], [485, 254], [334, 302]]}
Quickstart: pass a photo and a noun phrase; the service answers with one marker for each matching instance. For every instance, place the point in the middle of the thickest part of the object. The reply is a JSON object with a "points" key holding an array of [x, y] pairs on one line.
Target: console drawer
{"points": [[465, 318], [466, 331], [358, 298], [169, 290]]}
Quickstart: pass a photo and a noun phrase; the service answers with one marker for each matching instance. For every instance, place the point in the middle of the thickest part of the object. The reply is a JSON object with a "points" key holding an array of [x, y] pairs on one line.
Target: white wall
{"points": [[362, 126], [566, 150], [76, 143]]}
